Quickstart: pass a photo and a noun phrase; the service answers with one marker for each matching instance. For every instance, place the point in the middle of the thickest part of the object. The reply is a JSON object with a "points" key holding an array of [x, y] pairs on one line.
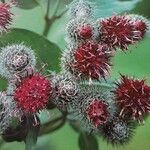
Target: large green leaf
{"points": [[88, 142], [27, 4], [46, 51], [108, 7]]}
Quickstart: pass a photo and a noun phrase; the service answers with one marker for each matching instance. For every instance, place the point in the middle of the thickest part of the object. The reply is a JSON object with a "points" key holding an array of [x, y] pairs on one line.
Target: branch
{"points": [[50, 21], [52, 125], [60, 15]]}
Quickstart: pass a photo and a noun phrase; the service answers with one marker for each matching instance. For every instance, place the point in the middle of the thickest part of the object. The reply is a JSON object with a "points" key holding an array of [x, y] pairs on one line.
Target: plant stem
{"points": [[46, 28]]}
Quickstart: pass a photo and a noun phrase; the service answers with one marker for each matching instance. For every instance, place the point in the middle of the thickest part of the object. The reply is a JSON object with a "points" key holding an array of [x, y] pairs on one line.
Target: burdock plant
{"points": [[82, 91]]}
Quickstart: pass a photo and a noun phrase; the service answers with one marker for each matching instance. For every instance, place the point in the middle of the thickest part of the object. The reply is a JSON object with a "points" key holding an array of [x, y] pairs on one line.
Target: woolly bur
{"points": [[89, 61], [133, 98], [65, 91], [93, 108], [17, 59], [118, 131]]}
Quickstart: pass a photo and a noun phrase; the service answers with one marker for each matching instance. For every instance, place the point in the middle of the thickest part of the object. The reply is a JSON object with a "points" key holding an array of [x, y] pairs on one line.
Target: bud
{"points": [[118, 131], [79, 31], [81, 9], [16, 58], [66, 90]]}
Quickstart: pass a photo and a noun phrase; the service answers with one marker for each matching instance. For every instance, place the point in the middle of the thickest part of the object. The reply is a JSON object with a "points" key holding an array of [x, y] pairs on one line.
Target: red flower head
{"points": [[92, 60], [33, 93], [97, 112], [133, 98], [119, 32], [5, 16], [85, 32], [141, 26]]}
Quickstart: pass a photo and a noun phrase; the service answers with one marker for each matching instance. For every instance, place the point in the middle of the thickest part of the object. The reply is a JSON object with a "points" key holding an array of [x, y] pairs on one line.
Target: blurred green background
{"points": [[134, 63]]}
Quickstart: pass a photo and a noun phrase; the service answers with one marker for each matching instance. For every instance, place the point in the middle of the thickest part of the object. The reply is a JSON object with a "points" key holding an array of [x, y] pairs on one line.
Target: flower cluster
{"points": [[28, 92], [110, 109], [79, 90]]}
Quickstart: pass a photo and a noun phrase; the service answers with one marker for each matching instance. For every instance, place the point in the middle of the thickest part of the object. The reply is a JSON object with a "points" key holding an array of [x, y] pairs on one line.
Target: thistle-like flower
{"points": [[119, 31], [65, 91], [5, 16], [16, 58], [133, 98], [33, 93], [85, 31], [93, 108], [97, 112], [118, 131], [141, 24], [89, 61]]}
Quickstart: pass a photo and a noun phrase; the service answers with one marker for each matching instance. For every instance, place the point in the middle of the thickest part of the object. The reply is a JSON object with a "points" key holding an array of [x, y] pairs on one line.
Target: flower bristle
{"points": [[33, 93], [133, 98]]}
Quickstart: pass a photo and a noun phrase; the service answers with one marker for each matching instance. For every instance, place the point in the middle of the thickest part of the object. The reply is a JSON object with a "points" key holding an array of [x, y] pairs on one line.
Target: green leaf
{"points": [[109, 7], [88, 142], [46, 51], [27, 4], [3, 84], [142, 8]]}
